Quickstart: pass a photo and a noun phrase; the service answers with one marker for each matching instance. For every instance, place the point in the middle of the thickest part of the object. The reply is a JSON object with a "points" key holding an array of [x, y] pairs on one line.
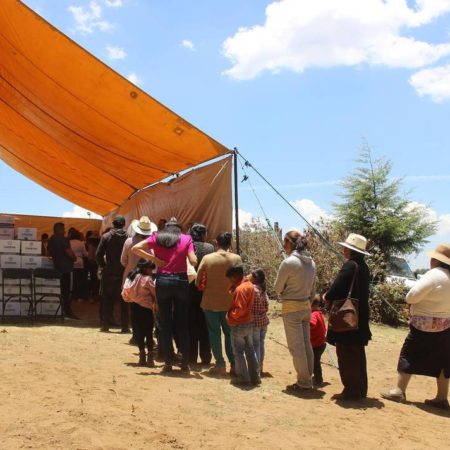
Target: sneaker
{"points": [[125, 331], [167, 368], [440, 404], [296, 388], [394, 395], [104, 329]]}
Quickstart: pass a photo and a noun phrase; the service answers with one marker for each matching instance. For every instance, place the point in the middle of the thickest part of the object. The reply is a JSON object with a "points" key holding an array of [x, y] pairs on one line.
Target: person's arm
{"points": [[200, 272], [240, 302], [124, 255], [192, 257], [141, 249], [282, 276], [422, 288], [341, 284], [100, 253]]}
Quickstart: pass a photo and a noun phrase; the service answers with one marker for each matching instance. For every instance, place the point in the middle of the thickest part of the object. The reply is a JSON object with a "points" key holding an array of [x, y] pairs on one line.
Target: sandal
{"points": [[440, 404], [295, 388]]}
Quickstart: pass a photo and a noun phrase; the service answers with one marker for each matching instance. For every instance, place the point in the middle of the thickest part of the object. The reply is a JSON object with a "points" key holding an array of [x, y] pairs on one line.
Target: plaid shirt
{"points": [[260, 308]]}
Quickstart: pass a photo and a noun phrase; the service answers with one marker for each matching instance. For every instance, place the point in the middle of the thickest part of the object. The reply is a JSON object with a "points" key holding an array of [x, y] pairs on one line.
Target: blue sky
{"points": [[295, 85]]}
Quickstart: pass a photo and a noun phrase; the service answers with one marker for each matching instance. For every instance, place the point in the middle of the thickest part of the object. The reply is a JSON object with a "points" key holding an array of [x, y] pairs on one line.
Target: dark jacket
{"points": [[109, 252], [339, 291]]}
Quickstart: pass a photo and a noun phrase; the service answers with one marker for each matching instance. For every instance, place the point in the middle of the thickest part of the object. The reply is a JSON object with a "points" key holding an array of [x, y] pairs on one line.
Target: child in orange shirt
{"points": [[240, 319]]}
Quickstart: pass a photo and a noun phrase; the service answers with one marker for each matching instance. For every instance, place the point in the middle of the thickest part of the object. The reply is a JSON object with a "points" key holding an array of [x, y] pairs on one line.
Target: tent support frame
{"points": [[236, 200]]}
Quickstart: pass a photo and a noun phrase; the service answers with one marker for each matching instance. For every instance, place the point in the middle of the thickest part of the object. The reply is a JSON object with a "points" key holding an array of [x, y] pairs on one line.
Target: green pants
{"points": [[217, 322]]}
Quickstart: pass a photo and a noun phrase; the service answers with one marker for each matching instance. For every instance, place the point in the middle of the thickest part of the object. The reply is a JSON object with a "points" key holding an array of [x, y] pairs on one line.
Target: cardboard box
{"points": [[9, 246], [10, 261], [30, 262], [26, 234], [48, 308], [54, 290], [24, 307], [16, 290], [12, 309], [7, 221], [47, 282], [7, 234], [47, 263], [30, 247]]}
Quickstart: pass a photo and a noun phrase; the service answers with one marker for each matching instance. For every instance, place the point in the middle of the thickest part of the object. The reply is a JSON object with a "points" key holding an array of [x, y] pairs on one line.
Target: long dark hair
{"points": [[142, 265], [198, 232], [170, 235], [259, 278]]}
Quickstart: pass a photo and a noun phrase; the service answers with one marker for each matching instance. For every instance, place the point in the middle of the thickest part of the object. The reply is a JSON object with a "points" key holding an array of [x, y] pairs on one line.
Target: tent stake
{"points": [[236, 201]]}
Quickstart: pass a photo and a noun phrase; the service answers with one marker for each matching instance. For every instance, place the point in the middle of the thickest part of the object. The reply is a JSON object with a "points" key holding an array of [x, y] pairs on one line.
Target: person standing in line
{"points": [[139, 289], [198, 330], [80, 288], [217, 298], [141, 229], [108, 256], [350, 345], [92, 242], [260, 317], [295, 284], [63, 259], [170, 249], [240, 319], [44, 241], [426, 350], [318, 339]]}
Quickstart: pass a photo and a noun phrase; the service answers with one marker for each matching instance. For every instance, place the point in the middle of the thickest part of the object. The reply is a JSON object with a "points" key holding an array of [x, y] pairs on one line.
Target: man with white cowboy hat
{"points": [[139, 230], [350, 345]]}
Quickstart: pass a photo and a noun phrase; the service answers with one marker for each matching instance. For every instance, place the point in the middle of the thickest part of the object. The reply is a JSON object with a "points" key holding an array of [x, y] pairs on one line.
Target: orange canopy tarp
{"points": [[76, 127]]}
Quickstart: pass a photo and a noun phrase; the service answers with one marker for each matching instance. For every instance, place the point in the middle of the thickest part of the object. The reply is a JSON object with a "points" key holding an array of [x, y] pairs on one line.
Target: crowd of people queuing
{"points": [[196, 299]]}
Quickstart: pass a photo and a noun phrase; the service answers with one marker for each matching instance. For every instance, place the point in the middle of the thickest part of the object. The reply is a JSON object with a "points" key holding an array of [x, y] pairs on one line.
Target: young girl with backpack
{"points": [[139, 290]]}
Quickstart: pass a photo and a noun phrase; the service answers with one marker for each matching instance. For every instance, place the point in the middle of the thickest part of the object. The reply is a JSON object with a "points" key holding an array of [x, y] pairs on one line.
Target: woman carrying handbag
{"points": [[351, 342]]}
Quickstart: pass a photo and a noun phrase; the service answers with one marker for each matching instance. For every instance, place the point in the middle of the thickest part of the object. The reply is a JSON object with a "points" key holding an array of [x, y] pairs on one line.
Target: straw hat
{"points": [[356, 242], [441, 253], [143, 226]]}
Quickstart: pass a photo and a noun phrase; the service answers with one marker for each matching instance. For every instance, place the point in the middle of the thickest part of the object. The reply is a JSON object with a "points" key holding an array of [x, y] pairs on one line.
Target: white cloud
{"points": [[186, 43], [89, 18], [134, 79], [300, 34], [80, 212], [116, 52], [443, 220], [312, 212], [434, 83], [114, 3]]}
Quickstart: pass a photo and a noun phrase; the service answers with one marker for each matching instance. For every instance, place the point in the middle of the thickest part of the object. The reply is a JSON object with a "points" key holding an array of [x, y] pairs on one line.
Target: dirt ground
{"points": [[72, 387]]}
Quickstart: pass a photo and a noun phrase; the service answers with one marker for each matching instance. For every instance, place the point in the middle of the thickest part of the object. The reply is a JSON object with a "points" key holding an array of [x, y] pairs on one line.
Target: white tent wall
{"points": [[202, 195]]}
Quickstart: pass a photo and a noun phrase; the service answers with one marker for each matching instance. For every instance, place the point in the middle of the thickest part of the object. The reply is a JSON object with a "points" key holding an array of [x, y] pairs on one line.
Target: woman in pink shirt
{"points": [[169, 249]]}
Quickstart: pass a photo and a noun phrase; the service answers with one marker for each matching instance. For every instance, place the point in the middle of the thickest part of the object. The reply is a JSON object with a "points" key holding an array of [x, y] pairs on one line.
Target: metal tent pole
{"points": [[236, 200]]}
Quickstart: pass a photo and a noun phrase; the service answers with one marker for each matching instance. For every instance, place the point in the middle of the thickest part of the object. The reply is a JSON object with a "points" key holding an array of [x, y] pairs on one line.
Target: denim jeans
{"points": [[217, 323], [296, 327], [172, 295], [259, 335], [244, 353]]}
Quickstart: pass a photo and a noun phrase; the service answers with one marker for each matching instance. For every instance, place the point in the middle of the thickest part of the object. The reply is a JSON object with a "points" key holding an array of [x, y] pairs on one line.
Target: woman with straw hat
{"points": [[426, 350], [350, 345]]}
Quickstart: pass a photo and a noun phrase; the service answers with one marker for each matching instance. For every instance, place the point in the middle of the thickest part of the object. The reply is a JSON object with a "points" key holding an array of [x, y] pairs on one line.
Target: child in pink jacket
{"points": [[139, 290]]}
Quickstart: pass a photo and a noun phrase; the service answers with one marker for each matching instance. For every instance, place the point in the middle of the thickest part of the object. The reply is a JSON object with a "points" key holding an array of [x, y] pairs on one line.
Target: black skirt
{"points": [[425, 353]]}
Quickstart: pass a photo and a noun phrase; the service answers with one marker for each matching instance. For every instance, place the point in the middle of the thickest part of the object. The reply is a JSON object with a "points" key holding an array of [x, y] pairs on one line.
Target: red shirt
{"points": [[240, 312], [318, 329]]}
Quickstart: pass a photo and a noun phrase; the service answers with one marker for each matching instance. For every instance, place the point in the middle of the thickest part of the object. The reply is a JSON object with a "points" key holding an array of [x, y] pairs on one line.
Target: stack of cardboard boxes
{"points": [[25, 252]]}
